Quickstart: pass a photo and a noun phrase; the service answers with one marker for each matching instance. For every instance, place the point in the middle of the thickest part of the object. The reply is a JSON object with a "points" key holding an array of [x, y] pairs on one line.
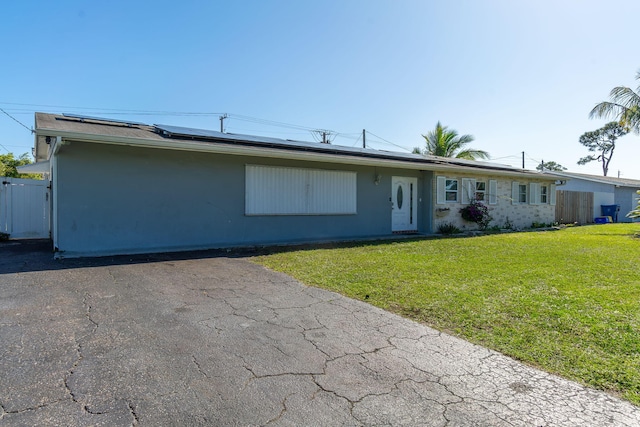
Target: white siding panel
{"points": [[294, 191], [468, 190], [534, 193], [515, 196], [441, 183]]}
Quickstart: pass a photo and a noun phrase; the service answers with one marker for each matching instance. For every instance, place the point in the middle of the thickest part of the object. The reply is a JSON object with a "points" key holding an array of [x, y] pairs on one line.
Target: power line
{"points": [[388, 142], [17, 121], [358, 139], [506, 157], [316, 133], [236, 129], [271, 122], [115, 110]]}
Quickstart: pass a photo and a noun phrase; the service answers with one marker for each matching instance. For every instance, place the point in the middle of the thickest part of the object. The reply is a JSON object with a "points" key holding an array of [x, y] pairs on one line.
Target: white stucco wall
{"points": [[520, 216]]}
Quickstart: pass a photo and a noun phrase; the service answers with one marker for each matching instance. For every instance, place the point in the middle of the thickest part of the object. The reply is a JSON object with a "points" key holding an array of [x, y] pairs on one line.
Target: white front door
{"points": [[403, 203]]}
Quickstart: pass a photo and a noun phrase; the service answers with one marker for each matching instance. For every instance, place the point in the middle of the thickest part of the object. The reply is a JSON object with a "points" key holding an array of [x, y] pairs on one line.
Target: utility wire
{"points": [[240, 129], [388, 142], [331, 135], [17, 121], [114, 110], [271, 122], [357, 140]]}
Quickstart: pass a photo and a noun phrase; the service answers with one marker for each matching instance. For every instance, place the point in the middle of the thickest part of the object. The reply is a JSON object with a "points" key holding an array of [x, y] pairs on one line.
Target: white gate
{"points": [[24, 208]]}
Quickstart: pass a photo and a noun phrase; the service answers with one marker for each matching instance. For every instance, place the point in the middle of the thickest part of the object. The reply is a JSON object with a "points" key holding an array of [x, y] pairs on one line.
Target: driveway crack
{"points": [[195, 361], [134, 413], [283, 410]]}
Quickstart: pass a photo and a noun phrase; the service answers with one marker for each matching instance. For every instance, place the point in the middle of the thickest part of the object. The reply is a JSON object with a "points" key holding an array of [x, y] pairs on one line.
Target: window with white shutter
{"points": [[447, 190], [518, 193]]}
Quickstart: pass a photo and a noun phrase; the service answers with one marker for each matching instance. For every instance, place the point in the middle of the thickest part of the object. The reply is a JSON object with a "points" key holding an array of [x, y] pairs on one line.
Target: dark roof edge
{"points": [[325, 149]]}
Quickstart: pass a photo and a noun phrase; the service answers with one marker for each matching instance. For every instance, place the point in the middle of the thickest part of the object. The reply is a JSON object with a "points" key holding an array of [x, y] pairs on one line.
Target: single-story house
{"points": [[606, 190], [122, 187]]}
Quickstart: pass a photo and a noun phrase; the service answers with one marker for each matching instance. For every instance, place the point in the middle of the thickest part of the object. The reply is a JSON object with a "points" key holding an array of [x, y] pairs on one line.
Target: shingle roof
{"points": [[70, 125]]}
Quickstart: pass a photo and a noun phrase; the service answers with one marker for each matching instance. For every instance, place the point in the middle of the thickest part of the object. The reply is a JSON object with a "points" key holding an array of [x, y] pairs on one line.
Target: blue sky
{"points": [[517, 75]]}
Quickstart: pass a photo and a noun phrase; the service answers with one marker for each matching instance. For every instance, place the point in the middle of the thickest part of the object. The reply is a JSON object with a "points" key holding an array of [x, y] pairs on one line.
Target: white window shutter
{"points": [[534, 193], [468, 190], [271, 190], [515, 198], [552, 194], [440, 190], [493, 192]]}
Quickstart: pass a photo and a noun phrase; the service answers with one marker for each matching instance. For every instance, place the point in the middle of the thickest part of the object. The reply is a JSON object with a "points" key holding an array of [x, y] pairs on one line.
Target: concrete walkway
{"points": [[222, 341]]}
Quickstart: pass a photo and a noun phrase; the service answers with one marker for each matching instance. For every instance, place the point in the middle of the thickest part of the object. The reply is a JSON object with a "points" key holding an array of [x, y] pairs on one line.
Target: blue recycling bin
{"points": [[610, 210]]}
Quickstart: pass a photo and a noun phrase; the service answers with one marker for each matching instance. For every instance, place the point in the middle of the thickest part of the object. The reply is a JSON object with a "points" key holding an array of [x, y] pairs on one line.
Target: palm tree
{"points": [[624, 107], [444, 142]]}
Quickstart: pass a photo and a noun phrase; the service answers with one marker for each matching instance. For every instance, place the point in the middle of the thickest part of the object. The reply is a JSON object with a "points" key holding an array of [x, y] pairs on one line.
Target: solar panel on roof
{"points": [[211, 135], [178, 131], [184, 131], [101, 119]]}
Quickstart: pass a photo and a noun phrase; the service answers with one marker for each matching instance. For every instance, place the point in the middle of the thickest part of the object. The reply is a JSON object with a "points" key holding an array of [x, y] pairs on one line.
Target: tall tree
{"points": [[550, 166], [445, 142], [8, 165], [602, 141], [623, 107]]}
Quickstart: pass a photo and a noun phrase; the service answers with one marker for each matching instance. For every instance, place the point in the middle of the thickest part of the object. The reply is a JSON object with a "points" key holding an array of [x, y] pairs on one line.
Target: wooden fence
{"points": [[574, 206]]}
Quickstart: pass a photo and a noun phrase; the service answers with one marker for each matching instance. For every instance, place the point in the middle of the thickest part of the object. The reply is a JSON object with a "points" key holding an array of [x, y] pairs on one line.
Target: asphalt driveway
{"points": [[200, 339]]}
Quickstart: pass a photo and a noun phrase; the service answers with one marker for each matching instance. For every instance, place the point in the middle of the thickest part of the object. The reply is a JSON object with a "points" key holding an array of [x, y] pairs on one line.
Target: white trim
{"points": [[38, 167], [493, 192], [552, 194], [621, 182], [54, 202]]}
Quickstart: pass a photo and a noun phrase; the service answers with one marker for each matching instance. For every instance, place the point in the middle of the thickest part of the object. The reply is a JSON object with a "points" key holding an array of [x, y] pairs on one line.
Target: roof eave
{"points": [[283, 153], [593, 179]]}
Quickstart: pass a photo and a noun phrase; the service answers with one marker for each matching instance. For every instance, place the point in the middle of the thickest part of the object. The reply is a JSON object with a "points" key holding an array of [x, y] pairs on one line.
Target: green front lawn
{"points": [[567, 301]]}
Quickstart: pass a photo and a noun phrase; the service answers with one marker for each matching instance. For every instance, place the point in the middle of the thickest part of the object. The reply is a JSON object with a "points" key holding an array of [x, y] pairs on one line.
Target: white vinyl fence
{"points": [[24, 208]]}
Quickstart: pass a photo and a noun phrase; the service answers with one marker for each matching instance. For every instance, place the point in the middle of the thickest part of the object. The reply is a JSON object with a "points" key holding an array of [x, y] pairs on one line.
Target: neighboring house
{"points": [[605, 190], [120, 187]]}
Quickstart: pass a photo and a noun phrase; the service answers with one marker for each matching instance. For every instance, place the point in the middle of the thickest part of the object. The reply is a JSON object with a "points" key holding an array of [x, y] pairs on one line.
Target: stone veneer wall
{"points": [[520, 216]]}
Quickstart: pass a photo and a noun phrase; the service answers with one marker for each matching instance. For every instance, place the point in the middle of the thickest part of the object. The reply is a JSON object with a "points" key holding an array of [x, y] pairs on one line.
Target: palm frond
{"points": [[472, 154], [605, 110], [624, 107], [624, 96], [445, 142]]}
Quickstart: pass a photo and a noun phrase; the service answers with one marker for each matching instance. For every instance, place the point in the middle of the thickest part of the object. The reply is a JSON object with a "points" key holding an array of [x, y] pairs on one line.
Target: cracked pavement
{"points": [[205, 340]]}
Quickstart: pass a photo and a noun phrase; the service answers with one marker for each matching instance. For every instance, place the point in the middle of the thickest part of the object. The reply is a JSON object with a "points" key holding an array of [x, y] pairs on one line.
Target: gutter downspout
{"points": [[53, 158]]}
